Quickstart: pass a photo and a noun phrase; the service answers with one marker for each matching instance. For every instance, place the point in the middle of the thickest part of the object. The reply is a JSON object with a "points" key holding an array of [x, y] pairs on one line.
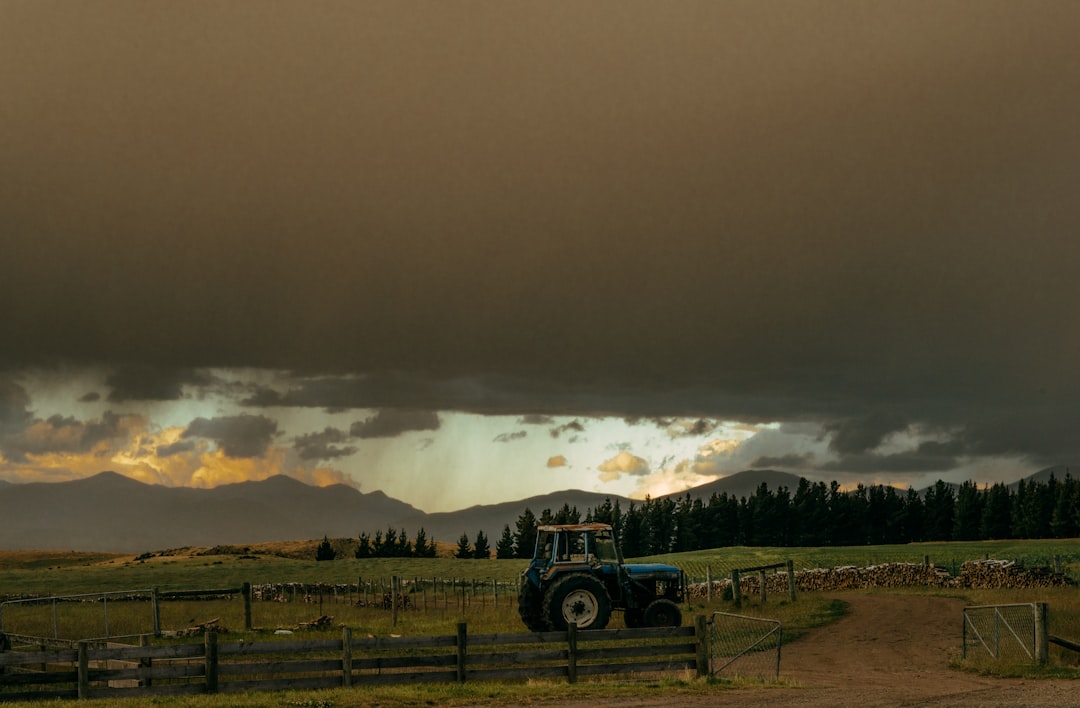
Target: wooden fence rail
{"points": [[89, 671]]}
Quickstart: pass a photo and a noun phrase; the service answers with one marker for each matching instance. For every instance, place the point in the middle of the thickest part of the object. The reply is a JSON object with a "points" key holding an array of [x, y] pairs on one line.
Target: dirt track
{"points": [[890, 650]]}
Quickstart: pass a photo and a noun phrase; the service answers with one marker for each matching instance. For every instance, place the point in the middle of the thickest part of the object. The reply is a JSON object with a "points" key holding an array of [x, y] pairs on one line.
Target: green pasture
{"points": [[441, 604], [81, 573]]}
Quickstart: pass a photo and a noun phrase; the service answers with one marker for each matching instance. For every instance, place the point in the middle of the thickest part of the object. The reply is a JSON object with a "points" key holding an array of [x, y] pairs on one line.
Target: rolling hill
{"points": [[110, 512]]}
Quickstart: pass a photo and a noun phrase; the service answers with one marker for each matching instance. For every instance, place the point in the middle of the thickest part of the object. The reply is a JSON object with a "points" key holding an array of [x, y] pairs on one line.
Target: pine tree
{"points": [[464, 550], [525, 538], [504, 547], [481, 549], [325, 552], [363, 549], [420, 547]]}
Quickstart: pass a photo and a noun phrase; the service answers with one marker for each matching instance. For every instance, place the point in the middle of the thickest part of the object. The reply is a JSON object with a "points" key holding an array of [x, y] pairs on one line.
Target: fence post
{"points": [[346, 657], [736, 589], [84, 672], [462, 639], [963, 635], [146, 662], [701, 638], [156, 609], [708, 583], [571, 652], [245, 590], [791, 578], [211, 658], [1042, 643], [393, 600], [761, 581]]}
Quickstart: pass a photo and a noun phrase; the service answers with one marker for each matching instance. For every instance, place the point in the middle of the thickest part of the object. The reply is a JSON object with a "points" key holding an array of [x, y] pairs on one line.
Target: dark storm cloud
{"points": [[325, 445], [62, 434], [784, 462], [585, 209], [238, 436], [390, 423], [858, 435], [574, 427], [177, 448], [535, 419], [14, 407], [509, 437], [144, 382]]}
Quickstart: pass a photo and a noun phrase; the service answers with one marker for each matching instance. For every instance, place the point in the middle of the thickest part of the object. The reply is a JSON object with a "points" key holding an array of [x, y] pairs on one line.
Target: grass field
{"points": [[47, 572], [55, 573]]}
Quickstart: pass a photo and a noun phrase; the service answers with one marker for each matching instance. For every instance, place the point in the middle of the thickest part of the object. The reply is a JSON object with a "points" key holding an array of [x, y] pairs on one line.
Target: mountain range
{"points": [[110, 512]]}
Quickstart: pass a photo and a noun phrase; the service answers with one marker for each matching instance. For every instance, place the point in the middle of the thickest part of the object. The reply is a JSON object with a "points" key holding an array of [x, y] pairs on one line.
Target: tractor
{"points": [[577, 575]]}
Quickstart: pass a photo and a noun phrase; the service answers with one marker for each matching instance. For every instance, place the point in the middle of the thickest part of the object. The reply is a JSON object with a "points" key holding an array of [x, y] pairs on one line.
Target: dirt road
{"points": [[890, 650]]}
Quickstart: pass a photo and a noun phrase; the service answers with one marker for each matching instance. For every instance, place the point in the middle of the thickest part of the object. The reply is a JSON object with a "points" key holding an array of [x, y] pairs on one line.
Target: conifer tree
{"points": [[464, 550], [325, 552], [504, 547], [481, 549]]}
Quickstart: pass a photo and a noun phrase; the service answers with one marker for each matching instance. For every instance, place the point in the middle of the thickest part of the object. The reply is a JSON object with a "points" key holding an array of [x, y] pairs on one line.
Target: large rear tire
{"points": [[577, 598], [663, 613], [530, 607]]}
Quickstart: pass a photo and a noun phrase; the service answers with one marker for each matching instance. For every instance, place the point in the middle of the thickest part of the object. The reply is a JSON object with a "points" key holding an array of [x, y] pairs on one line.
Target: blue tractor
{"points": [[577, 575]]}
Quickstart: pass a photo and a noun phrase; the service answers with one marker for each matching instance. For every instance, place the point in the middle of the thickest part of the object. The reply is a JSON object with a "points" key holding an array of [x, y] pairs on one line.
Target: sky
{"points": [[473, 252]]}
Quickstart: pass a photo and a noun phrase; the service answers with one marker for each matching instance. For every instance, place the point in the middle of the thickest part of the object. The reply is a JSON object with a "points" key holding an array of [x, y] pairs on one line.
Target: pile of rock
{"points": [[982, 574]]}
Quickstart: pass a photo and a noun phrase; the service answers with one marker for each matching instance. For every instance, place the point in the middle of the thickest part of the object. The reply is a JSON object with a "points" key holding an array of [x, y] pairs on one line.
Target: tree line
{"points": [[816, 514]]}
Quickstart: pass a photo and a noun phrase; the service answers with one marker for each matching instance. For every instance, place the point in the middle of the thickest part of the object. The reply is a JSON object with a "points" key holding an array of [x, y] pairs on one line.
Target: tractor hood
{"points": [[645, 571]]}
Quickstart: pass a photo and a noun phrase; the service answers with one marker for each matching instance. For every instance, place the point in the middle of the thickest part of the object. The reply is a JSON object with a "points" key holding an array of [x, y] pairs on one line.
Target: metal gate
{"points": [[1009, 633], [747, 647]]}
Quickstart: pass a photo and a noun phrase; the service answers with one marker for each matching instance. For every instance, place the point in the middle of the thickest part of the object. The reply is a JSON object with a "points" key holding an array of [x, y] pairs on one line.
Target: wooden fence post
{"points": [[245, 590], [393, 600], [791, 578], [156, 610], [701, 637], [84, 672], [146, 662], [736, 589], [761, 582], [346, 656], [708, 583], [571, 652], [1042, 644], [462, 639], [211, 658]]}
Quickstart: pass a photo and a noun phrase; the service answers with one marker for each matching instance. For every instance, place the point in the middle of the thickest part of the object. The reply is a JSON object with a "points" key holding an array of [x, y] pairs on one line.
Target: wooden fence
{"points": [[88, 671]]}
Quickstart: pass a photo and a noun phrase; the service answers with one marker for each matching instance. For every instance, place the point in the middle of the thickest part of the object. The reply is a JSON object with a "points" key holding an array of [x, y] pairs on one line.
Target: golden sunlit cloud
{"points": [[162, 457], [556, 461], [623, 463], [673, 480]]}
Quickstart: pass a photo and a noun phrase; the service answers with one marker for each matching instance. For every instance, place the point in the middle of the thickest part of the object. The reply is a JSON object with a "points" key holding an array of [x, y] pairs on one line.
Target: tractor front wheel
{"points": [[581, 599], [663, 613]]}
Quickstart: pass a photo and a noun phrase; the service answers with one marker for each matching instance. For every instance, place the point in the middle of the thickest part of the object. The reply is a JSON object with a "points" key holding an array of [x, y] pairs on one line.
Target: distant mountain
{"points": [[110, 512], [743, 484]]}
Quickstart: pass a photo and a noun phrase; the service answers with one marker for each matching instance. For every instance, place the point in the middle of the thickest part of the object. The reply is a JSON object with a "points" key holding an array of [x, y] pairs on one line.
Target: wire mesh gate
{"points": [[1008, 633], [747, 647]]}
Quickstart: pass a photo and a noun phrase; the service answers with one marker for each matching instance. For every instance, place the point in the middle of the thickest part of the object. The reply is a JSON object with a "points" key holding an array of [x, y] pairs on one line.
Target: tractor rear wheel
{"points": [[663, 613], [577, 598], [530, 607]]}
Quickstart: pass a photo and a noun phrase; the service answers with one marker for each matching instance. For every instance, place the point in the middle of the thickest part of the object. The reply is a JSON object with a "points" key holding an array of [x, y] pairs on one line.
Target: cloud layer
{"points": [[704, 214]]}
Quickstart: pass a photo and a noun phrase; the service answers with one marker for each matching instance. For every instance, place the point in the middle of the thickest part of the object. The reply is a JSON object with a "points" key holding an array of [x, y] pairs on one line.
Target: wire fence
{"points": [[745, 647], [1011, 634]]}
